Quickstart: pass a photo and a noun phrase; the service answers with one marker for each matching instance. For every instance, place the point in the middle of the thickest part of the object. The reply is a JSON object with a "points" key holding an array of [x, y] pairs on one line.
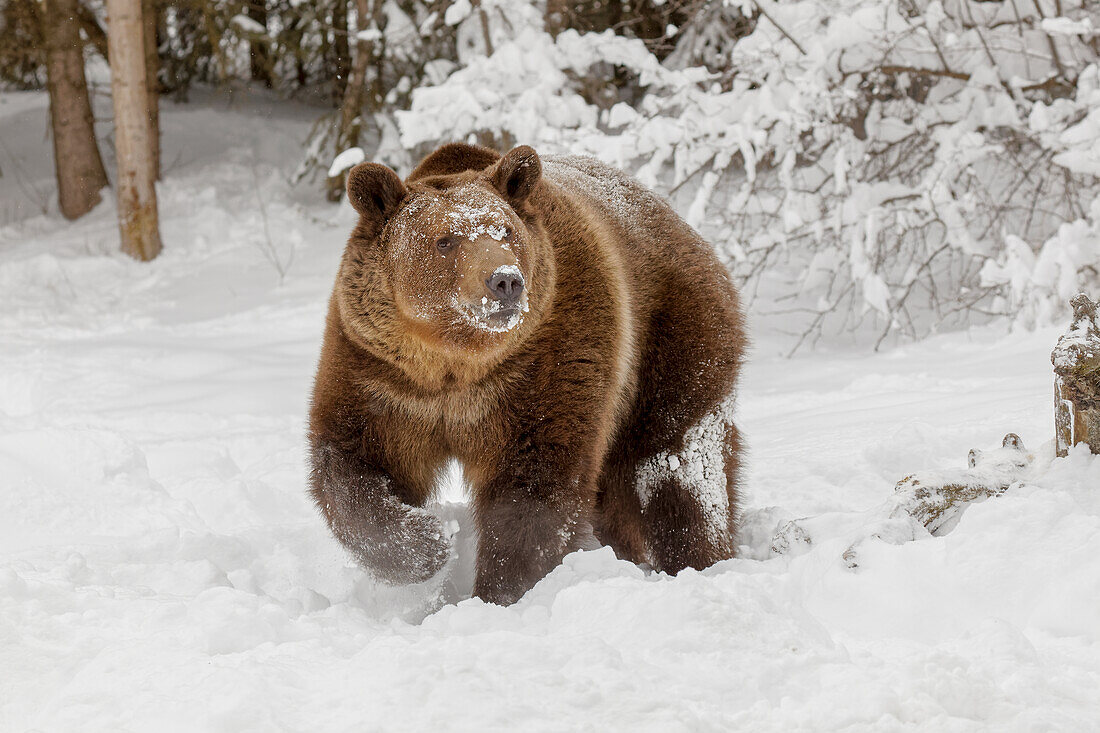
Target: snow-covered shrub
{"points": [[870, 164], [1039, 283]]}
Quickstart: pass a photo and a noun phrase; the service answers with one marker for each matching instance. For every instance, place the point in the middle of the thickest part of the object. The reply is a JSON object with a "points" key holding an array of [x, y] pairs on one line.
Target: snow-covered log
{"points": [[1076, 360], [937, 499], [927, 503]]}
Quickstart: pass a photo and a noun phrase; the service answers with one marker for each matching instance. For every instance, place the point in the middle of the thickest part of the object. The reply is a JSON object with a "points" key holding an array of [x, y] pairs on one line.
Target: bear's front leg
{"points": [[530, 515], [398, 543]]}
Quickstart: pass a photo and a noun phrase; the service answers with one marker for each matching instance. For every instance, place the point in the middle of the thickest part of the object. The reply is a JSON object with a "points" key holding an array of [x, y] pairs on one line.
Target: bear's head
{"points": [[450, 261]]}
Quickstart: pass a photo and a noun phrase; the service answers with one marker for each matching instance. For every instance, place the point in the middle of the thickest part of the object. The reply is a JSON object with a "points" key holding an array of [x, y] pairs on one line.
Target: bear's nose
{"points": [[506, 284]]}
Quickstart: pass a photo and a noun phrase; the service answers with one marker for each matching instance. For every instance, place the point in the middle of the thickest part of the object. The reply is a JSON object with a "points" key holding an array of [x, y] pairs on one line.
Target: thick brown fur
{"points": [[604, 409]]}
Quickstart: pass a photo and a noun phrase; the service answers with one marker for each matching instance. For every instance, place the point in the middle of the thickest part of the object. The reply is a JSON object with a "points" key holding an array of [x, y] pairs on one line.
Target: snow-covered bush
{"points": [[872, 165], [1039, 283]]}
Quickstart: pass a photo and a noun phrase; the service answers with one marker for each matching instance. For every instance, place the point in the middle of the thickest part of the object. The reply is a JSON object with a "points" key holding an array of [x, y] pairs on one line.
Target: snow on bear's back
{"points": [[628, 203], [642, 216]]}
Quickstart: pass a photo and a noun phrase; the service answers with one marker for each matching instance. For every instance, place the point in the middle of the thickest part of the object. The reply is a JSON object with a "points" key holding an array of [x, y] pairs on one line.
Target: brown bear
{"points": [[558, 329]]}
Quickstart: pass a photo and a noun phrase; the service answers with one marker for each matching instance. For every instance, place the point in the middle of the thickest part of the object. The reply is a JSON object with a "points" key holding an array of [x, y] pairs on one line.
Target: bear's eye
{"points": [[509, 234], [446, 244]]}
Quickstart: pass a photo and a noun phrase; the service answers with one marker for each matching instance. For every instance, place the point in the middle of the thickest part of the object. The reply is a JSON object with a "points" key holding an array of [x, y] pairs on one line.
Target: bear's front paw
{"points": [[410, 550]]}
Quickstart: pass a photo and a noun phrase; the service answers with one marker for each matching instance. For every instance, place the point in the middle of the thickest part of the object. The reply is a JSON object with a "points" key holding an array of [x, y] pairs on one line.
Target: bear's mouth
{"points": [[492, 315], [505, 313]]}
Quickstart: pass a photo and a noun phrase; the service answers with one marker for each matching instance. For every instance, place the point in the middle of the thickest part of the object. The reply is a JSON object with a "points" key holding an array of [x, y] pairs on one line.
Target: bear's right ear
{"points": [[375, 191], [517, 173]]}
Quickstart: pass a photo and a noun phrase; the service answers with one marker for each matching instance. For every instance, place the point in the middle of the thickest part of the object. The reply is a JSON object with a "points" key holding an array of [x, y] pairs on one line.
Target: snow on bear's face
{"points": [[459, 260], [455, 261]]}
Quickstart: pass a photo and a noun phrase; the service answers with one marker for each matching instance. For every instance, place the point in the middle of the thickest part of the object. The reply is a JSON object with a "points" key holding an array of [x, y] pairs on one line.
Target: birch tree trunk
{"points": [[137, 197], [79, 167], [152, 90]]}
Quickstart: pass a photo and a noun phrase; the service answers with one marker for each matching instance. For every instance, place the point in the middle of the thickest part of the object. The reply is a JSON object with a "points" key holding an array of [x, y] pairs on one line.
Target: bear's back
{"points": [[619, 197], [654, 242]]}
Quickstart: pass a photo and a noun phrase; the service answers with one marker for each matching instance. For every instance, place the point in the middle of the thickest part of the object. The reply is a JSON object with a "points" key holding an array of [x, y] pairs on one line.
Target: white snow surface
{"points": [[162, 569]]}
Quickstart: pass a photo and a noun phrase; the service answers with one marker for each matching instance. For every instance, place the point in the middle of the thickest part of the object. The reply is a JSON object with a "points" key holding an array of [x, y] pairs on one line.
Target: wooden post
{"points": [[1076, 360], [137, 196]]}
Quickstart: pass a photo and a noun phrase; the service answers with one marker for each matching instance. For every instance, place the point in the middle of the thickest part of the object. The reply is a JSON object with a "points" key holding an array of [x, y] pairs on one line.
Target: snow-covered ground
{"points": [[162, 569]]}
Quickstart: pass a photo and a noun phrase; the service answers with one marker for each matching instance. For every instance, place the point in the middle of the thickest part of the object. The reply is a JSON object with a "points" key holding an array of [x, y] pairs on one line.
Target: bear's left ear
{"points": [[375, 191], [517, 173]]}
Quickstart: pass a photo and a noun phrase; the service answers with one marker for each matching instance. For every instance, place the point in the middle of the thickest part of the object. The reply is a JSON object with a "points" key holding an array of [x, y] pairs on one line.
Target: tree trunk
{"points": [[341, 54], [1076, 361], [350, 120], [137, 196], [259, 62], [486, 36], [80, 173], [152, 87], [92, 29]]}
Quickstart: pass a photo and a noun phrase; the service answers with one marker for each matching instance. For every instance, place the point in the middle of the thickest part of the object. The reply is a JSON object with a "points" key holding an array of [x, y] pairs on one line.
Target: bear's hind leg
{"points": [[618, 516], [688, 496]]}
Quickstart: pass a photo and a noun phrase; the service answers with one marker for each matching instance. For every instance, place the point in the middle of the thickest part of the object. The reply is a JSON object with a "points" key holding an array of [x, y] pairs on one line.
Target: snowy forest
{"points": [[879, 168], [906, 194]]}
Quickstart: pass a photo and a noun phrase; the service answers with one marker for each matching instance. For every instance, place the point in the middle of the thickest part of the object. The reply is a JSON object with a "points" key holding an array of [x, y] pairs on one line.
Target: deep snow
{"points": [[161, 567]]}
